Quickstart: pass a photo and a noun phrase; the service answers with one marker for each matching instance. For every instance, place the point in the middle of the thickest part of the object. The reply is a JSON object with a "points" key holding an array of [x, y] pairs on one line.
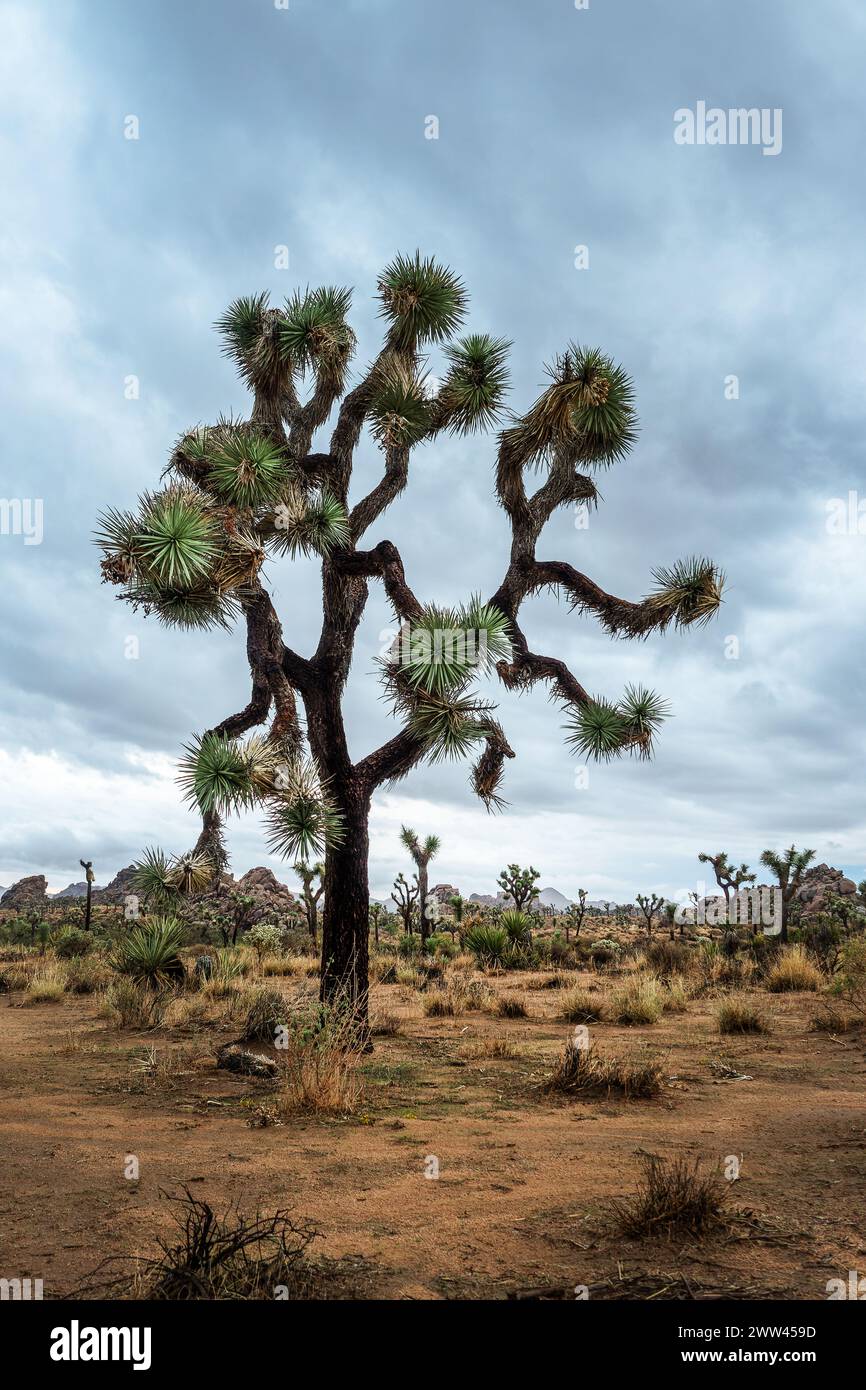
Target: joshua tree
{"points": [[575, 913], [241, 491], [422, 854], [376, 910], [649, 906], [457, 905], [789, 869], [519, 885], [405, 895], [87, 866], [671, 918], [307, 873], [727, 877]]}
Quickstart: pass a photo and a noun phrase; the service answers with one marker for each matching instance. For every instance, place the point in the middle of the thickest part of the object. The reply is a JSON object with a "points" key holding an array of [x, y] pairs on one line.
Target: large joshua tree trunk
{"points": [[346, 915]]}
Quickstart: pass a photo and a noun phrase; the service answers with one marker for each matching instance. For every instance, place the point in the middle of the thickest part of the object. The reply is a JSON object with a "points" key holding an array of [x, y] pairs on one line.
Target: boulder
{"points": [[119, 889], [27, 892], [819, 884]]}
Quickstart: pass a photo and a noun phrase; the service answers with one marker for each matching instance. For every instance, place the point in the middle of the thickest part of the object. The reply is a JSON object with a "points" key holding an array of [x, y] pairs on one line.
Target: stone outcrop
{"points": [[27, 892], [119, 889], [819, 884]]}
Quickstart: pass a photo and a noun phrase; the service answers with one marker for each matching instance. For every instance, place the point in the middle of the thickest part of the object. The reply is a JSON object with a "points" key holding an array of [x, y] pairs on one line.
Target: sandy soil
{"points": [[523, 1197]]}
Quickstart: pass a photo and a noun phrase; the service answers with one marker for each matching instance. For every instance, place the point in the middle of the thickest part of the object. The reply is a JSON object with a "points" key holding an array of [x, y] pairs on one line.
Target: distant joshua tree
{"points": [[457, 904], [519, 885], [240, 492], [789, 869], [650, 907], [727, 877], [405, 895], [575, 913], [422, 854], [87, 866], [310, 895]]}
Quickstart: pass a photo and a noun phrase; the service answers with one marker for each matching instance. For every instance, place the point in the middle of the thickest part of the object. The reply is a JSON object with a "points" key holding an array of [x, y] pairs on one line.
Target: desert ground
{"points": [[527, 1178]]}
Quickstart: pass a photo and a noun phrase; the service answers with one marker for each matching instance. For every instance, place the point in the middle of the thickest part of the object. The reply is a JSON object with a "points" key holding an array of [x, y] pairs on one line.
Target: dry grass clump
{"points": [[638, 1001], [47, 983], [794, 971], [84, 975], [580, 1071], [672, 1196], [384, 1024], [383, 968], [278, 965], [510, 1006], [17, 976], [320, 1066], [501, 1045], [738, 1016], [128, 1005], [267, 1013], [580, 1006], [464, 962], [409, 975], [833, 1020], [560, 979], [442, 1003], [676, 993]]}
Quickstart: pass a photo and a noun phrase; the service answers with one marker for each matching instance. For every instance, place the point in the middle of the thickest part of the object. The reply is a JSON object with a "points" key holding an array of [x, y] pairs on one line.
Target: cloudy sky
{"points": [[305, 127]]}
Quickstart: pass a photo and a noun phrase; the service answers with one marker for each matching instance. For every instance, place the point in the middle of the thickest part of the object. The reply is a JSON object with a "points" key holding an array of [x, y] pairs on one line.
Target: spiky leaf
{"points": [[424, 301]]}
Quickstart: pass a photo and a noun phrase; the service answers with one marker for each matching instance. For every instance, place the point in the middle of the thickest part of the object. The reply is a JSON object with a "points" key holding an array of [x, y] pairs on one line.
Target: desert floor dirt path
{"points": [[526, 1182]]}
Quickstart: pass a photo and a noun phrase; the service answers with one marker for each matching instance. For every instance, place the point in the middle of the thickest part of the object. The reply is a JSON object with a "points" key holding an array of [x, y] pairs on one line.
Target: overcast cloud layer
{"points": [[305, 127]]}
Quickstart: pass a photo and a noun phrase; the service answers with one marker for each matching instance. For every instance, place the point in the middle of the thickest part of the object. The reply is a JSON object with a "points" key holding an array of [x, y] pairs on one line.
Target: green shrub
{"points": [[71, 942], [409, 944], [149, 955], [489, 945]]}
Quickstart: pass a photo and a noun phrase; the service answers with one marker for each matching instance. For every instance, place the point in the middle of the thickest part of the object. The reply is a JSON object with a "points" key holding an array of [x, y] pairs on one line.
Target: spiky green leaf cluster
{"points": [[224, 774], [602, 730], [587, 414], [442, 648], [302, 821], [400, 412], [424, 301], [247, 470], [689, 592], [150, 953], [309, 525], [161, 880], [176, 540], [472, 394], [250, 332], [313, 332]]}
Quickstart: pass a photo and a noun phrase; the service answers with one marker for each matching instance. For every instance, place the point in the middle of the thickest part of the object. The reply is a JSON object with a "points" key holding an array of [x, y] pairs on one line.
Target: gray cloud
{"points": [[305, 127]]}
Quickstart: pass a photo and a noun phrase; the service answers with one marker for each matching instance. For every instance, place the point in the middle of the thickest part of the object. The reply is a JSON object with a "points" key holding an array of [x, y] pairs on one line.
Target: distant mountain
{"points": [[551, 897], [75, 890]]}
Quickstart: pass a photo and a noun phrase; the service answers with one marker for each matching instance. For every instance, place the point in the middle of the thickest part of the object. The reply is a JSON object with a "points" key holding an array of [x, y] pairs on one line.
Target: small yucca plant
{"points": [[150, 954]]}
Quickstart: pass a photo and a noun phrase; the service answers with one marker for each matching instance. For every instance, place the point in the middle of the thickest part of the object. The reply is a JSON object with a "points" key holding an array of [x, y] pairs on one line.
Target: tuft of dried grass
{"points": [[794, 971], [580, 1006], [639, 1001], [580, 1071], [738, 1016], [500, 1045], [672, 1196], [47, 983]]}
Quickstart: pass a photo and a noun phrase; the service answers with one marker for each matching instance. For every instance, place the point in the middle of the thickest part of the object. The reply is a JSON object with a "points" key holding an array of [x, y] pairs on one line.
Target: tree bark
{"points": [[346, 916]]}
